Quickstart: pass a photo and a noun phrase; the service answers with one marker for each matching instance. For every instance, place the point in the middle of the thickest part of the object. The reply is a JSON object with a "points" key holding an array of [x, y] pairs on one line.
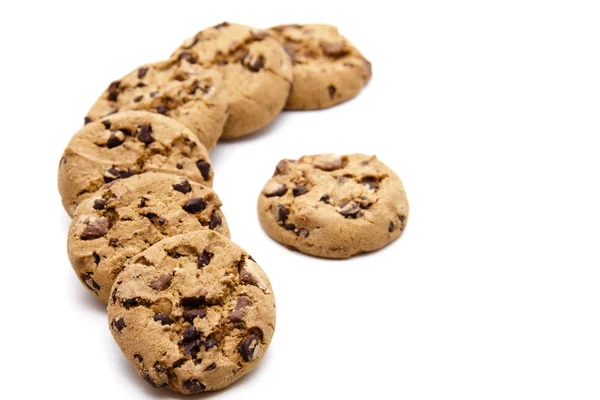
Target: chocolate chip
{"points": [[211, 367], [331, 89], [191, 341], [99, 204], [137, 99], [116, 174], [96, 257], [163, 318], [401, 218], [161, 283], [215, 220], [325, 198], [193, 303], [162, 109], [118, 324], [187, 56], [113, 91], [142, 72], [249, 348], [289, 227], [126, 132], [90, 282], [195, 205], [221, 25], [138, 358], [280, 191], [204, 168], [190, 315], [113, 242], [106, 124], [183, 187], [161, 221], [94, 228], [178, 363], [237, 314], [193, 386], [302, 232], [179, 165], [330, 165], [370, 181], [204, 258], [148, 379], [114, 141], [281, 167], [299, 190], [391, 227], [209, 343], [335, 50], [283, 212], [349, 209], [257, 64], [87, 120], [144, 134]]}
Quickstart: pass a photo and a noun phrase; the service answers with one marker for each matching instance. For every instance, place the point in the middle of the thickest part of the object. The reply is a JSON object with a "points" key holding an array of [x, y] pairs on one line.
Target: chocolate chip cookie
{"points": [[126, 144], [256, 69], [186, 92], [328, 69], [333, 207], [193, 313], [127, 216]]}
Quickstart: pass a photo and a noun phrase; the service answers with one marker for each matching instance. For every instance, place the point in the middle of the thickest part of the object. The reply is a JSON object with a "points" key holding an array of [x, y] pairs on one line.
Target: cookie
{"points": [[256, 70], [127, 216], [328, 69], [333, 207], [194, 312], [185, 92], [126, 144]]}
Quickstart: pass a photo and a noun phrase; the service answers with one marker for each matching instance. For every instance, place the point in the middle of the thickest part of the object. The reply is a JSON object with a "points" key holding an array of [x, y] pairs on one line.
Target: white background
{"points": [[488, 111]]}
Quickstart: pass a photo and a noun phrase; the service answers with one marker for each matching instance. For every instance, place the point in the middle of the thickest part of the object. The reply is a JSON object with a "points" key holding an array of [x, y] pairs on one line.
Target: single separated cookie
{"points": [[334, 207], [194, 312], [126, 144], [256, 69], [328, 69], [186, 92], [127, 216]]}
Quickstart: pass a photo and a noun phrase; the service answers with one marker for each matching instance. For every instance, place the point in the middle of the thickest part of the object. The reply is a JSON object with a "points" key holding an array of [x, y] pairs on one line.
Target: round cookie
{"points": [[328, 69], [127, 216], [194, 312], [333, 207], [125, 144], [256, 70], [185, 92]]}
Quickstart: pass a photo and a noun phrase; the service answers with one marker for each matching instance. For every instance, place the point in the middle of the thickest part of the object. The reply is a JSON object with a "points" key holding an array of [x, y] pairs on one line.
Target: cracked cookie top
{"points": [[256, 70], [186, 92], [327, 68], [126, 144], [193, 313], [333, 206], [129, 215]]}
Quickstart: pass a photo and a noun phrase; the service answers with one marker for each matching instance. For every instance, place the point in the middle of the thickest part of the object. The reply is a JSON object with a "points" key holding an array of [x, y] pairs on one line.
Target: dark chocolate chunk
{"points": [[299, 190], [186, 55], [114, 141], [118, 324], [162, 109], [283, 212], [204, 168], [249, 348], [87, 120], [370, 181], [99, 204], [237, 314], [178, 363], [190, 315], [191, 341], [257, 64], [94, 228], [163, 318], [215, 220], [211, 367], [137, 99], [144, 134], [280, 191], [221, 25], [161, 283], [195, 205], [142, 72], [289, 227], [183, 186], [193, 386], [204, 258], [349, 209], [106, 124], [96, 257], [325, 198], [331, 89], [90, 282], [334, 50], [138, 358]]}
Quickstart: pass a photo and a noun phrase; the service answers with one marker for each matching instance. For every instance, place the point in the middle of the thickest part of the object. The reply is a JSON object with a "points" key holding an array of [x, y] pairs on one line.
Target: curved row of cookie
{"points": [[231, 80]]}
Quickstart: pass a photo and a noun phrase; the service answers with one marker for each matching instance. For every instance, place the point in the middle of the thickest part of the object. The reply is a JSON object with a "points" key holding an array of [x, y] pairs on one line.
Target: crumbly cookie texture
{"points": [[193, 313], [334, 207], [126, 144], [185, 92], [256, 70], [127, 216], [328, 69]]}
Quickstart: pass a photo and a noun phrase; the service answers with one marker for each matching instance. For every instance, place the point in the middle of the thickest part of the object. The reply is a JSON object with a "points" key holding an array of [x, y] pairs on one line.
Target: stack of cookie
{"points": [[190, 309]]}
